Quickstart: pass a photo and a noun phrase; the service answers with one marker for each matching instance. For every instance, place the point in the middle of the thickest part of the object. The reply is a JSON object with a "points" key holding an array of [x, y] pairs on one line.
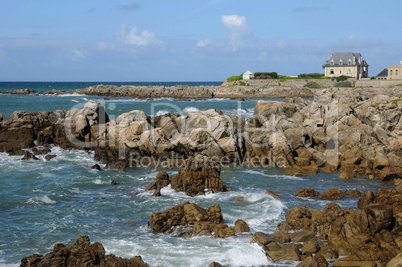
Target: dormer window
{"points": [[332, 63], [350, 62], [340, 63]]}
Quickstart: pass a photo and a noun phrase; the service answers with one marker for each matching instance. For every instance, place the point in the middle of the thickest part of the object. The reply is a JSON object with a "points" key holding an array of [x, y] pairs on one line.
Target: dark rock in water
{"points": [[157, 193], [215, 264], [96, 167], [332, 193], [196, 178], [274, 195], [1, 116], [37, 151], [80, 254], [28, 156], [49, 157], [114, 182], [105, 98], [239, 199]]}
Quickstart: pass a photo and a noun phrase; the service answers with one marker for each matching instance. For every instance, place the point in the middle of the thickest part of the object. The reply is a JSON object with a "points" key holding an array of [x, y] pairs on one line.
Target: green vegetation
{"points": [[313, 85], [235, 78], [265, 75], [243, 83], [310, 76], [343, 84], [324, 77], [395, 101], [341, 78]]}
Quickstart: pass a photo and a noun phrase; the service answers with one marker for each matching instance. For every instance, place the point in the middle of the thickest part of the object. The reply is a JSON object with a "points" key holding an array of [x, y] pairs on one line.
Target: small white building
{"points": [[248, 75]]}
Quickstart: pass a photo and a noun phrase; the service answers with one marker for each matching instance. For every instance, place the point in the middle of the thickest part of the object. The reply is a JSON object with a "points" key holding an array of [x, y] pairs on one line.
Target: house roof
{"points": [[248, 73], [345, 57], [383, 73]]}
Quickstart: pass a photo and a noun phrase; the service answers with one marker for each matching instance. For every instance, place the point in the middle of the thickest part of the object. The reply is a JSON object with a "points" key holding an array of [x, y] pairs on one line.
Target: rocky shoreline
{"points": [[356, 133]]}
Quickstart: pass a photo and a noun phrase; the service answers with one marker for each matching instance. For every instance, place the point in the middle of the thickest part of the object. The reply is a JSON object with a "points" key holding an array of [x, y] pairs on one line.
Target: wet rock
{"points": [[267, 242], [310, 248], [241, 227], [157, 193], [29, 156], [80, 254], [114, 182], [306, 192], [239, 199], [197, 178], [333, 194], [215, 264], [96, 167], [274, 195], [43, 151], [50, 157]]}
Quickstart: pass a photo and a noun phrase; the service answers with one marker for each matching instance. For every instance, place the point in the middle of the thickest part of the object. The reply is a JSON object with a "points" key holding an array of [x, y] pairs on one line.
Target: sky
{"points": [[190, 40]]}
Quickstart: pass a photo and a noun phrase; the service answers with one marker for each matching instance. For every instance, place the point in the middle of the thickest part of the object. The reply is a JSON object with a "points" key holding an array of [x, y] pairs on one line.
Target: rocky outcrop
{"points": [[340, 130], [194, 178], [370, 235], [330, 193], [204, 221], [80, 254]]}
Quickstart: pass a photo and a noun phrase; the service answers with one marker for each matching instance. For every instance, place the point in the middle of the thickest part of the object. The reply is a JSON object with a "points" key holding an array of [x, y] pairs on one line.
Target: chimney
{"points": [[354, 60]]}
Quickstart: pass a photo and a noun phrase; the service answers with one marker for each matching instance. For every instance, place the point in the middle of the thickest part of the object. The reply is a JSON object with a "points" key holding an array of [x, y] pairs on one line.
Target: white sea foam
{"points": [[287, 177], [161, 112], [41, 200], [191, 109], [65, 95]]}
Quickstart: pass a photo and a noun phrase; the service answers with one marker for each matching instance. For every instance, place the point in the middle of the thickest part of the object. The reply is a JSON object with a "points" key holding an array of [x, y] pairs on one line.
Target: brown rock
{"points": [[390, 173], [269, 192], [49, 157], [306, 192], [96, 167], [267, 242], [301, 170], [28, 156], [80, 254], [289, 252], [303, 236], [241, 227], [239, 199], [354, 193], [320, 260], [162, 179], [346, 263], [310, 248], [196, 178], [184, 214], [308, 262], [215, 264], [333, 194]]}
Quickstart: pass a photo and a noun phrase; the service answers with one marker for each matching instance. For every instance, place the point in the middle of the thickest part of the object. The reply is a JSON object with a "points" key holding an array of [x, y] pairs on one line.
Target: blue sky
{"points": [[186, 40]]}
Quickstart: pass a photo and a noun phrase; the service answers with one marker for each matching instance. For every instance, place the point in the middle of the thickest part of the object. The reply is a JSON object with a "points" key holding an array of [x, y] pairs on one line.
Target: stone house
{"points": [[248, 75], [395, 72], [383, 75], [346, 63]]}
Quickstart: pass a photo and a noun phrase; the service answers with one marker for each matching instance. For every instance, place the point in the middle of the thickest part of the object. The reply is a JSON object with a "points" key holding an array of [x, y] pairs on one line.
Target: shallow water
{"points": [[43, 203]]}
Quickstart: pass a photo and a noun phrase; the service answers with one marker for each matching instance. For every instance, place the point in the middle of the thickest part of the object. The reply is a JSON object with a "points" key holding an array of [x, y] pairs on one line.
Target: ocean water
{"points": [[47, 202]]}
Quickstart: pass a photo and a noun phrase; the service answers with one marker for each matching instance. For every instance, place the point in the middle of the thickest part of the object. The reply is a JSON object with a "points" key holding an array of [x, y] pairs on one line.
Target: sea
{"points": [[47, 202]]}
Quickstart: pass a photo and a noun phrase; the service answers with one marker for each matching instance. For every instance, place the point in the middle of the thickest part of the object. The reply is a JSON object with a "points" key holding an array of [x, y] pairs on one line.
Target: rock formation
{"points": [[80, 254], [203, 221]]}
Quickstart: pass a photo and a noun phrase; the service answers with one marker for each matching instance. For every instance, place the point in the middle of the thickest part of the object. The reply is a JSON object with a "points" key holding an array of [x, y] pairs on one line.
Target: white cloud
{"points": [[204, 43], [241, 34], [77, 55], [133, 37]]}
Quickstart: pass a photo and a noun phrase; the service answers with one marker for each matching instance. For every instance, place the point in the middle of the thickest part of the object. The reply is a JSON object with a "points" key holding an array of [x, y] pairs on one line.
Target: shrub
{"points": [[395, 101], [312, 85], [242, 83], [343, 84], [266, 75], [342, 78], [310, 76], [235, 78]]}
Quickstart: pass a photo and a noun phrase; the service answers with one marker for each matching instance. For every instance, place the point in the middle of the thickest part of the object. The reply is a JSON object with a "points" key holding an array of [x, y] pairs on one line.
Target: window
{"points": [[332, 63], [390, 72], [331, 71], [340, 71], [340, 63], [349, 71], [350, 62], [396, 72]]}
